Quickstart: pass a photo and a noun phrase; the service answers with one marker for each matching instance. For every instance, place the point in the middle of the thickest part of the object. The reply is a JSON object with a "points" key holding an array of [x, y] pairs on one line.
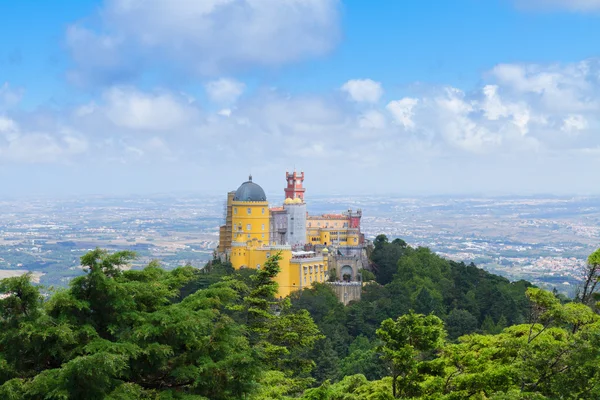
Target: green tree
{"points": [[488, 325], [121, 334], [385, 256], [283, 341], [327, 362], [363, 359], [407, 347], [355, 387], [367, 276], [591, 278], [460, 322], [551, 357], [260, 302], [428, 302]]}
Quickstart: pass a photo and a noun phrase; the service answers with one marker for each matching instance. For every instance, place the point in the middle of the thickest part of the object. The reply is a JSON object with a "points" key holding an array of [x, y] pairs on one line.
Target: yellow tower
{"points": [[250, 213]]}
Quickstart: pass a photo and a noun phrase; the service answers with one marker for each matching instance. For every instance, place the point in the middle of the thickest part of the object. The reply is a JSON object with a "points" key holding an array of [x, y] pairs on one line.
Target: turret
{"points": [[294, 189]]}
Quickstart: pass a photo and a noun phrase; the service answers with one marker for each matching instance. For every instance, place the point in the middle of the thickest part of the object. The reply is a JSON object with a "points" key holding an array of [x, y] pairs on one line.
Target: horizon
{"points": [[280, 196]]}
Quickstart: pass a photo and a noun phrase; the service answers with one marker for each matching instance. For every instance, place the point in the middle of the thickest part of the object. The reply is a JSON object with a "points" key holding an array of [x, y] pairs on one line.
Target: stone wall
{"points": [[346, 292]]}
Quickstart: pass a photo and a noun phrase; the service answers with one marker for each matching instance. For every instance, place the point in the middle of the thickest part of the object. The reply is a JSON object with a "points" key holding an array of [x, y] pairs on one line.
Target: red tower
{"points": [[294, 189]]}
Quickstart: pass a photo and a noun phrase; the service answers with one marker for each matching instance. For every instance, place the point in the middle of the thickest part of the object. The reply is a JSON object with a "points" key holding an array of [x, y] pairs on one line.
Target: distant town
{"points": [[543, 240]]}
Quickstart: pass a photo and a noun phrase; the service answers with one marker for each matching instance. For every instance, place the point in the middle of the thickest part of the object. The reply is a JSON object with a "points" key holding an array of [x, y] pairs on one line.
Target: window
{"points": [[263, 227], [305, 280], [268, 254], [248, 227], [249, 211], [263, 235], [248, 236], [257, 266], [235, 210], [263, 210]]}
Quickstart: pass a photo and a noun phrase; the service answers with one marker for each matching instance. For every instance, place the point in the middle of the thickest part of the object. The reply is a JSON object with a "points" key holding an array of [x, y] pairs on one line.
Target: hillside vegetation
{"points": [[426, 328]]}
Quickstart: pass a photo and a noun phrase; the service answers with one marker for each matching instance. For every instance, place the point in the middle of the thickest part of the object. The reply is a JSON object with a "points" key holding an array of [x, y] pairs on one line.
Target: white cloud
{"points": [[7, 125], [225, 112], [363, 90], [402, 111], [570, 5], [207, 37], [457, 125], [568, 87], [21, 146], [495, 108], [129, 108], [224, 91], [523, 124], [574, 123], [9, 96], [372, 119]]}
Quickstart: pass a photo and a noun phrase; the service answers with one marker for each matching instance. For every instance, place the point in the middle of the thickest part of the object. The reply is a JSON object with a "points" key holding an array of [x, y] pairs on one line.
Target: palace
{"points": [[321, 248]]}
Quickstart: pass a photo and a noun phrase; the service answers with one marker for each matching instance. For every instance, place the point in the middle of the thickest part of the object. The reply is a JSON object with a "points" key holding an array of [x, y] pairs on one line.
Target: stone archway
{"points": [[347, 273]]}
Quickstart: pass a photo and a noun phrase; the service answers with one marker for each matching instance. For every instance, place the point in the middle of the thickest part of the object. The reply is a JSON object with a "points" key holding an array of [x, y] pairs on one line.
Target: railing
{"points": [[280, 247], [307, 259], [354, 283]]}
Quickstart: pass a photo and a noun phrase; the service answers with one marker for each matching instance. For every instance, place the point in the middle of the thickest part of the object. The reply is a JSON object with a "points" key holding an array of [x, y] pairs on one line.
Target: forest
{"points": [[425, 328]]}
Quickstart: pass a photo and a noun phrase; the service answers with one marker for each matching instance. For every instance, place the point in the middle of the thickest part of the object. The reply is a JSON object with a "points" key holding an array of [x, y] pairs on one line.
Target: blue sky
{"points": [[412, 97]]}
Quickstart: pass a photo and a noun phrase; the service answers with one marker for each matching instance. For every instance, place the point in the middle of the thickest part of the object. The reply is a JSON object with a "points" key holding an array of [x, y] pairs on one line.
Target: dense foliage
{"points": [[426, 328], [128, 334], [468, 300]]}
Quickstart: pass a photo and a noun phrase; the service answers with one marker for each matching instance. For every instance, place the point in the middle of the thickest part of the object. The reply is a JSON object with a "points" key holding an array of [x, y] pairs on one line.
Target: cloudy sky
{"points": [[410, 97]]}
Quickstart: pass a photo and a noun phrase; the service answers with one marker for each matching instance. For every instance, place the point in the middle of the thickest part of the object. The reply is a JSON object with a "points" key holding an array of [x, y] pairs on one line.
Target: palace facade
{"points": [[312, 248]]}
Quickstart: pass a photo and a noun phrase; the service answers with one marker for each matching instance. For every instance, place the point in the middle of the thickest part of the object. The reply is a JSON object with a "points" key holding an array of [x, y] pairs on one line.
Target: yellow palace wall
{"points": [[250, 220], [253, 255]]}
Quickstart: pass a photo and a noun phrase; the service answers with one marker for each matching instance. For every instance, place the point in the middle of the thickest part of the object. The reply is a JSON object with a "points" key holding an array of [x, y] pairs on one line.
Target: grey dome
{"points": [[250, 191]]}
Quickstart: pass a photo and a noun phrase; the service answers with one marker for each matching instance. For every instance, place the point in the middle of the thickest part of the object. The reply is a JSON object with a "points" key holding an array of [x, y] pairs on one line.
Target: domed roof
{"points": [[250, 191], [297, 200], [288, 201]]}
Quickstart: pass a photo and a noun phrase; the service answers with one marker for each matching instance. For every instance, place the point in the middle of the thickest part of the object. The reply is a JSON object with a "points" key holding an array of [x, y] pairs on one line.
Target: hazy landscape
{"points": [[541, 239]]}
